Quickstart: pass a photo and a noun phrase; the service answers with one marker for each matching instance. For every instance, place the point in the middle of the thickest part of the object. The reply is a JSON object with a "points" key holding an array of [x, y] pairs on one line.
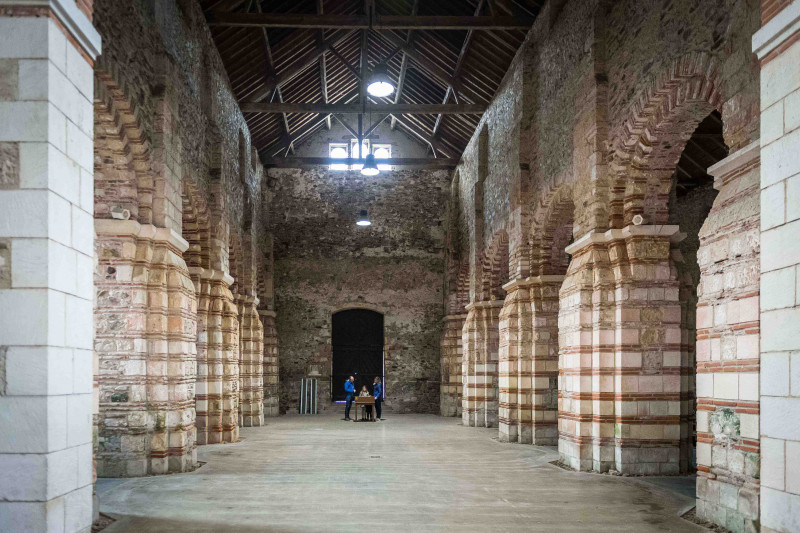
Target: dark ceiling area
{"points": [[705, 148], [280, 53]]}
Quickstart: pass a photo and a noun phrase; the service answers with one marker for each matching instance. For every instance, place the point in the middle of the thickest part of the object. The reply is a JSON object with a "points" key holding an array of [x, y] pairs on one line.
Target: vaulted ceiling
{"points": [[283, 52]]}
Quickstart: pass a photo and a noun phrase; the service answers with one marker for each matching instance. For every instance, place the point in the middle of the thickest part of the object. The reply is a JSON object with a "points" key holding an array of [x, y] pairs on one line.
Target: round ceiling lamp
{"points": [[370, 168], [363, 219], [379, 83]]}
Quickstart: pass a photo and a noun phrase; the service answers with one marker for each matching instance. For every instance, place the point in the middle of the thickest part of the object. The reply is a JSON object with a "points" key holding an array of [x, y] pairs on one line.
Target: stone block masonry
{"points": [[728, 327], [777, 46], [47, 395]]}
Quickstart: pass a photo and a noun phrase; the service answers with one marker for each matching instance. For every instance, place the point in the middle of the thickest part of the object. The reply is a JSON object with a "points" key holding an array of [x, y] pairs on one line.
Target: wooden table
{"points": [[364, 401]]}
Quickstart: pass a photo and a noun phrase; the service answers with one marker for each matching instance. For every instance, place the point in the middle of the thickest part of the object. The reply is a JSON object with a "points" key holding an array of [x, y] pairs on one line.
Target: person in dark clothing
{"points": [[350, 390], [377, 391]]}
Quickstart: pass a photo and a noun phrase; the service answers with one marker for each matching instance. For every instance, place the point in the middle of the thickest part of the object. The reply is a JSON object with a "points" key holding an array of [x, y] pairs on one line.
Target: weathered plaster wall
{"points": [[324, 262]]}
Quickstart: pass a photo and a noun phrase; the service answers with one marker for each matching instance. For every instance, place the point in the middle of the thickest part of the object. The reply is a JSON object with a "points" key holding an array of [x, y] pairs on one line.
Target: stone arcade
{"points": [[585, 240]]}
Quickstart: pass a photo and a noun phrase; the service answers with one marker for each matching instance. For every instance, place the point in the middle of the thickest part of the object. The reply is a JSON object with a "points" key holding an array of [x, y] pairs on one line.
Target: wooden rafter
{"points": [[269, 72], [323, 70], [362, 22], [297, 68], [295, 162], [457, 70], [406, 109], [401, 79]]}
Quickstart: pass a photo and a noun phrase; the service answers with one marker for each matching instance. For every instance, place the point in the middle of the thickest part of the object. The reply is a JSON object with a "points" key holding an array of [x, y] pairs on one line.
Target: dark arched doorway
{"points": [[357, 349]]}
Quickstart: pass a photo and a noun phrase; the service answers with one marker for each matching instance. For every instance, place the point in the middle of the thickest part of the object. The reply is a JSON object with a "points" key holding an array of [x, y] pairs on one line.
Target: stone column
{"points": [[530, 319], [222, 356], [46, 249], [252, 346], [201, 279], [728, 346], [271, 399], [514, 354], [588, 284], [145, 326], [479, 368], [171, 361], [452, 352], [620, 363]]}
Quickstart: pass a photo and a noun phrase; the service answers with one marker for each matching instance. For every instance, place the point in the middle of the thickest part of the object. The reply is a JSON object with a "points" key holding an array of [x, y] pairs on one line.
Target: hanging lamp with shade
{"points": [[363, 219], [370, 168], [379, 84]]}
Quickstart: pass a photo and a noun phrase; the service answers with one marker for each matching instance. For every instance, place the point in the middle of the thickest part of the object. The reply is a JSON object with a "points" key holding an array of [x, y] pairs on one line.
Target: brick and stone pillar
{"points": [[145, 339], [222, 349], [727, 346], [270, 369], [452, 353], [479, 367], [251, 369], [530, 321], [514, 374], [201, 279], [777, 45], [46, 257], [620, 362]]}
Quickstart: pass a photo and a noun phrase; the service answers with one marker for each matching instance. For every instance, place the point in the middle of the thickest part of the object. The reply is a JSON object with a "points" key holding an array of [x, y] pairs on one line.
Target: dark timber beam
{"points": [[323, 69], [457, 71], [362, 22], [400, 109], [270, 72], [401, 80], [422, 162]]}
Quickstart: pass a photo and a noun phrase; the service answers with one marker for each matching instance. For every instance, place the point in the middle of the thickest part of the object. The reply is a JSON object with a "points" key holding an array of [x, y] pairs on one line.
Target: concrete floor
{"points": [[407, 473]]}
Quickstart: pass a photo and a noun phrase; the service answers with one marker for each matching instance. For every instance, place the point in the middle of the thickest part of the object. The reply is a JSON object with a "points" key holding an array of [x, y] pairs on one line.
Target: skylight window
{"points": [[350, 150]]}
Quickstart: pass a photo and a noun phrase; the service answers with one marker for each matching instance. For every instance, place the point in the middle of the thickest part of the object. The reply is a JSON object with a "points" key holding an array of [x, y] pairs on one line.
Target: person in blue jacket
{"points": [[350, 390], [377, 391]]}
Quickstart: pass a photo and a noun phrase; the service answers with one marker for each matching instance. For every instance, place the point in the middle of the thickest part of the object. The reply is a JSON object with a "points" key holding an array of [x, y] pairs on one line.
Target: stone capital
{"points": [[521, 283], [484, 305], [131, 228], [594, 237], [734, 162], [211, 275]]}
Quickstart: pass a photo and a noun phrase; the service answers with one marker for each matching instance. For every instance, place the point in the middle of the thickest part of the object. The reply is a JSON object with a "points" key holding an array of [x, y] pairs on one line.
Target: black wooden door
{"points": [[357, 349]]}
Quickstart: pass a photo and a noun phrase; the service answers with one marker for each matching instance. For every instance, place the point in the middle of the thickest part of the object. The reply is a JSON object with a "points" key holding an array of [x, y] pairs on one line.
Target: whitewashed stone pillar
{"points": [[46, 264], [777, 45]]}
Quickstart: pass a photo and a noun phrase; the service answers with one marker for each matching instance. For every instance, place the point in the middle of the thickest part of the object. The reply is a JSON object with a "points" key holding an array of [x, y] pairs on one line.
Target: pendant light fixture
{"points": [[379, 83], [363, 219], [370, 168]]}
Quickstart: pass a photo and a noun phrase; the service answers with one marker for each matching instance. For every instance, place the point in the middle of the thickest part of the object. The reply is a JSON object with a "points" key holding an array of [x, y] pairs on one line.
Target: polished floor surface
{"points": [[407, 473]]}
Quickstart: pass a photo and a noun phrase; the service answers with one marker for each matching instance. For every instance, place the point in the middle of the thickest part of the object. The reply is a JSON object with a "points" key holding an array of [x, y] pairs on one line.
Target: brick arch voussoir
{"points": [[196, 223], [118, 130], [650, 140], [555, 211], [494, 268]]}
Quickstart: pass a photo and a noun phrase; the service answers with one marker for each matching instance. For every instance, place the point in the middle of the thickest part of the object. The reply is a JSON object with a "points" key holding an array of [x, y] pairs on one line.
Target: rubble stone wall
{"points": [[325, 263]]}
